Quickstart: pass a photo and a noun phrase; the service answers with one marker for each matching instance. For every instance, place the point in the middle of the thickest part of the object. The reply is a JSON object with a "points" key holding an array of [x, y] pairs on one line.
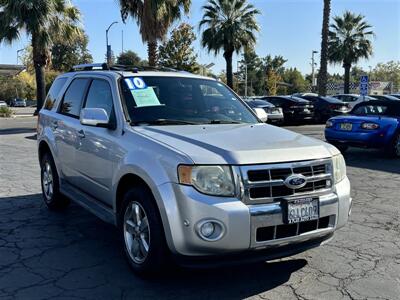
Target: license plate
{"points": [[301, 210], [346, 126]]}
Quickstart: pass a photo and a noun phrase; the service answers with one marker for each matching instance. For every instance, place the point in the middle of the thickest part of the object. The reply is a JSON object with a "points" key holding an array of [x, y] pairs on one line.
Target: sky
{"points": [[291, 28]]}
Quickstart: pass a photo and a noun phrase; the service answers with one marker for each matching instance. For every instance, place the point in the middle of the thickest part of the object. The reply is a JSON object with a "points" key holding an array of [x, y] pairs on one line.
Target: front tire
{"points": [[50, 184], [142, 232]]}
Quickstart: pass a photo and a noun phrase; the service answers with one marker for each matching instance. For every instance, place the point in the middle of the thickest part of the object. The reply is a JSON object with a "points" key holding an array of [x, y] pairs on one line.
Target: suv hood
{"points": [[239, 143]]}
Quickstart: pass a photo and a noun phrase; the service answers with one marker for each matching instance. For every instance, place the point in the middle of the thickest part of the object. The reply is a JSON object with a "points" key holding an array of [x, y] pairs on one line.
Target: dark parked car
{"points": [[327, 107], [372, 124], [274, 114], [385, 97], [396, 95], [295, 109]]}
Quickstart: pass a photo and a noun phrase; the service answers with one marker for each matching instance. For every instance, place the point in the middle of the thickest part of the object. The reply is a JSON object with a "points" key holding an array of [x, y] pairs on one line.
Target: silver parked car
{"points": [[185, 169], [274, 114]]}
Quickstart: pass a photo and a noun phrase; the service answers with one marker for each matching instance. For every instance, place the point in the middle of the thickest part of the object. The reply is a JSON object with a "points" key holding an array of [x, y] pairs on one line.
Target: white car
{"points": [[353, 99], [3, 104]]}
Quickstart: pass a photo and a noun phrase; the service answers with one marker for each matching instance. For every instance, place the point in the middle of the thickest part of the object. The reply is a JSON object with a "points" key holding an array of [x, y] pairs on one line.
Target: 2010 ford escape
{"points": [[185, 169]]}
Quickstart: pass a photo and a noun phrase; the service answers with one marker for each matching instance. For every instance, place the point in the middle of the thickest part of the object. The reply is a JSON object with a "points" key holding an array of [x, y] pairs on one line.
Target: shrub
{"points": [[6, 112]]}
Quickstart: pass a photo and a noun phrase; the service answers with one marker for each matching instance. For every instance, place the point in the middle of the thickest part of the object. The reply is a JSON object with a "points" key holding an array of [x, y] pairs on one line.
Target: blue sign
{"points": [[364, 85], [135, 83]]}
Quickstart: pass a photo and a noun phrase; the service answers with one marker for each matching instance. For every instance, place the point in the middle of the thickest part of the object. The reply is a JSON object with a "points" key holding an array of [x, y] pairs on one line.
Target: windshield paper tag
{"points": [[135, 83], [145, 97]]}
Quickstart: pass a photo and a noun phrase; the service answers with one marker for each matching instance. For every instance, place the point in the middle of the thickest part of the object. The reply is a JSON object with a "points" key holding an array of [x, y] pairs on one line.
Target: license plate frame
{"points": [[346, 126], [292, 208]]}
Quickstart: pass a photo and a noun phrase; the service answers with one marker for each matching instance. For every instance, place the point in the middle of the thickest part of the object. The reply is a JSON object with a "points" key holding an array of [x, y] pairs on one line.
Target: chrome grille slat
{"points": [[317, 172]]}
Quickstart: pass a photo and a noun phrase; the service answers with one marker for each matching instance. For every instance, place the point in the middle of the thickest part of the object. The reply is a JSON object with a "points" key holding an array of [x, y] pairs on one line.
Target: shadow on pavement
{"points": [[83, 256], [17, 130], [372, 159]]}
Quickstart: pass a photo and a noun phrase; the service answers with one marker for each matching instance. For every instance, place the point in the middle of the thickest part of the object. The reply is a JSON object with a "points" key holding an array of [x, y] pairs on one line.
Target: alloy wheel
{"points": [[136, 232], [47, 181]]}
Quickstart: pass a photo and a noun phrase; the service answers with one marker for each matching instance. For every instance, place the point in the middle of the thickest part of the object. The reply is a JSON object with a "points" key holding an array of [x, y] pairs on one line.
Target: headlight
{"points": [[339, 168], [329, 124], [211, 180], [369, 126]]}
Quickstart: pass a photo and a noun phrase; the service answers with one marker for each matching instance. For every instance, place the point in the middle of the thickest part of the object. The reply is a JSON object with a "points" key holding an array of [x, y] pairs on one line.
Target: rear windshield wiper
{"points": [[164, 122]]}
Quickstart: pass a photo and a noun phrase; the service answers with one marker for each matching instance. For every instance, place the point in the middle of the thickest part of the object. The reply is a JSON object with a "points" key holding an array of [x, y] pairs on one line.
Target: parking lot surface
{"points": [[73, 254]]}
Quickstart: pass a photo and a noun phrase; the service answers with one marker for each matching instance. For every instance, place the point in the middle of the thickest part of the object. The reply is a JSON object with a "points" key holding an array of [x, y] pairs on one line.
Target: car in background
{"points": [[294, 109], [353, 99], [385, 97], [327, 107], [18, 103], [3, 104], [396, 95], [373, 124], [274, 114]]}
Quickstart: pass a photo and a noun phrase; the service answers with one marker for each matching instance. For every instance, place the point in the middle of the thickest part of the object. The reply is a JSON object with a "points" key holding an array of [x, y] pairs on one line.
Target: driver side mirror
{"points": [[97, 117]]}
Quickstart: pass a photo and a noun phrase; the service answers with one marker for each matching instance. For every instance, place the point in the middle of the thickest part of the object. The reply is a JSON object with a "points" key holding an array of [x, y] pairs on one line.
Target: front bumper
{"points": [[186, 207]]}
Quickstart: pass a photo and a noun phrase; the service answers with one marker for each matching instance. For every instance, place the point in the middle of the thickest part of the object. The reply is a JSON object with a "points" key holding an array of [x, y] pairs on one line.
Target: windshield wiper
{"points": [[164, 122], [224, 122]]}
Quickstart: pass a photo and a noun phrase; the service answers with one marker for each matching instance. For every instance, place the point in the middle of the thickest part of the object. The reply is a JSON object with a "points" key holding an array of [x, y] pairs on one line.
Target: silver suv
{"points": [[184, 169]]}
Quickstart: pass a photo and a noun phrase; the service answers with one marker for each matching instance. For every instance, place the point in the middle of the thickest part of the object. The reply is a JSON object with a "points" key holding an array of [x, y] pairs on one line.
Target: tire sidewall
{"points": [[157, 246], [48, 159]]}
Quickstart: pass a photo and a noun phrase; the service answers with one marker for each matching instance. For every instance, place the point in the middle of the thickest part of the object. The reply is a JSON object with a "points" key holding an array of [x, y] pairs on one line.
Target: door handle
{"points": [[81, 134]]}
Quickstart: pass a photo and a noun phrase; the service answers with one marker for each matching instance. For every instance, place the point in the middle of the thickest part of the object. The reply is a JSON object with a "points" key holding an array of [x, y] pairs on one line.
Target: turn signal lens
{"points": [[329, 124]]}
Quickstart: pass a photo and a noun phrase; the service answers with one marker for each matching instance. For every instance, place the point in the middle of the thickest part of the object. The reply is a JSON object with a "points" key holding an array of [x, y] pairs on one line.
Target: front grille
{"points": [[270, 233], [265, 183]]}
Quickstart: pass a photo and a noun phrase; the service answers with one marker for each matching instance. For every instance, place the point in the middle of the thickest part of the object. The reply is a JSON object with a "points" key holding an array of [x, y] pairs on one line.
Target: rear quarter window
{"points": [[373, 110], [53, 93]]}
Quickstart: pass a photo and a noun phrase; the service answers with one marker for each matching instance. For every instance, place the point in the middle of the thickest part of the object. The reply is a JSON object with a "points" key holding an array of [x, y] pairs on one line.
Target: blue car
{"points": [[372, 124]]}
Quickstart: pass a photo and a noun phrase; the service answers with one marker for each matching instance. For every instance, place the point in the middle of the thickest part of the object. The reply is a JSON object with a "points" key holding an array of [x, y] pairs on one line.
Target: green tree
{"points": [[66, 54], [349, 41], [357, 72], [129, 58], [154, 17], [229, 25], [274, 70], [42, 20], [323, 68], [389, 71], [178, 51], [297, 83]]}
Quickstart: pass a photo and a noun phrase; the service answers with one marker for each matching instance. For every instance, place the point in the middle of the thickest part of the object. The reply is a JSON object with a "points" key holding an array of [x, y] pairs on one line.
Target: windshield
{"points": [[176, 100]]}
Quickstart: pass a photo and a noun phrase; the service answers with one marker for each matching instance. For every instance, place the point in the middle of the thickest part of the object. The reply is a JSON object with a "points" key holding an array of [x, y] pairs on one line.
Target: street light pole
{"points": [[108, 47], [313, 69]]}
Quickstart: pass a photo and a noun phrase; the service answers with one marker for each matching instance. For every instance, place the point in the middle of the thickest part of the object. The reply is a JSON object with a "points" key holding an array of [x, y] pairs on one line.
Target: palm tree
{"points": [[349, 41], [323, 68], [154, 17], [42, 20], [230, 25]]}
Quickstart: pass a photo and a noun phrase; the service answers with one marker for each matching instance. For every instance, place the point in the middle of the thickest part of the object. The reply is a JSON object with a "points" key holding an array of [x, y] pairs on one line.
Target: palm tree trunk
{"points": [[347, 68], [152, 53], [229, 73], [39, 63], [323, 69]]}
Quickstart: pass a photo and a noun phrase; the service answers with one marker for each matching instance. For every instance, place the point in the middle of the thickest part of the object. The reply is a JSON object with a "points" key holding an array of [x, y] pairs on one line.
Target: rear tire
{"points": [[142, 233], [393, 150], [50, 184]]}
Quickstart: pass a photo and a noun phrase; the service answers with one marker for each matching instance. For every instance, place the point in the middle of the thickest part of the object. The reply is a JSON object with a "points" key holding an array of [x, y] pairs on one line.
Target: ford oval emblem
{"points": [[295, 181]]}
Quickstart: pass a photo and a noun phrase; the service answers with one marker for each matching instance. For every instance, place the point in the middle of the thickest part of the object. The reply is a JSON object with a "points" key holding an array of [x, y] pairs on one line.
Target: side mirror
{"points": [[97, 117], [261, 114]]}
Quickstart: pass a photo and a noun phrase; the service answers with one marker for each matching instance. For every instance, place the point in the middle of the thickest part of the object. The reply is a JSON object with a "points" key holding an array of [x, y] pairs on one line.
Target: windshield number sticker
{"points": [[136, 83]]}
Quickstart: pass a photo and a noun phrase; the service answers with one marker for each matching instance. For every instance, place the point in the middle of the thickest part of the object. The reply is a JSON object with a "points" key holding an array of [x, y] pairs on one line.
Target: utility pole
{"points": [[313, 70], [245, 80], [109, 46], [122, 36]]}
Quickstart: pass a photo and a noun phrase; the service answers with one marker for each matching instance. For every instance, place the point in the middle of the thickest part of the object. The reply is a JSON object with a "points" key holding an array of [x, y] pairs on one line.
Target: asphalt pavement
{"points": [[74, 255]]}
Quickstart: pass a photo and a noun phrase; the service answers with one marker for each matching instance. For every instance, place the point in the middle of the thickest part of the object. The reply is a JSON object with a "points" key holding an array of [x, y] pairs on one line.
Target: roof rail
{"points": [[117, 67], [90, 67]]}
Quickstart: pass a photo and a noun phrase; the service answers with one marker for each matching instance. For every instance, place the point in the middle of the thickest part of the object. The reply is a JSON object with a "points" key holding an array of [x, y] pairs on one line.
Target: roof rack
{"points": [[90, 67], [126, 68]]}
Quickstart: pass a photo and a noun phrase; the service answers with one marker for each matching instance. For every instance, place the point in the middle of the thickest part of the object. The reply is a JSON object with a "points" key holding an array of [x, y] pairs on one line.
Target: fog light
{"points": [[207, 229]]}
